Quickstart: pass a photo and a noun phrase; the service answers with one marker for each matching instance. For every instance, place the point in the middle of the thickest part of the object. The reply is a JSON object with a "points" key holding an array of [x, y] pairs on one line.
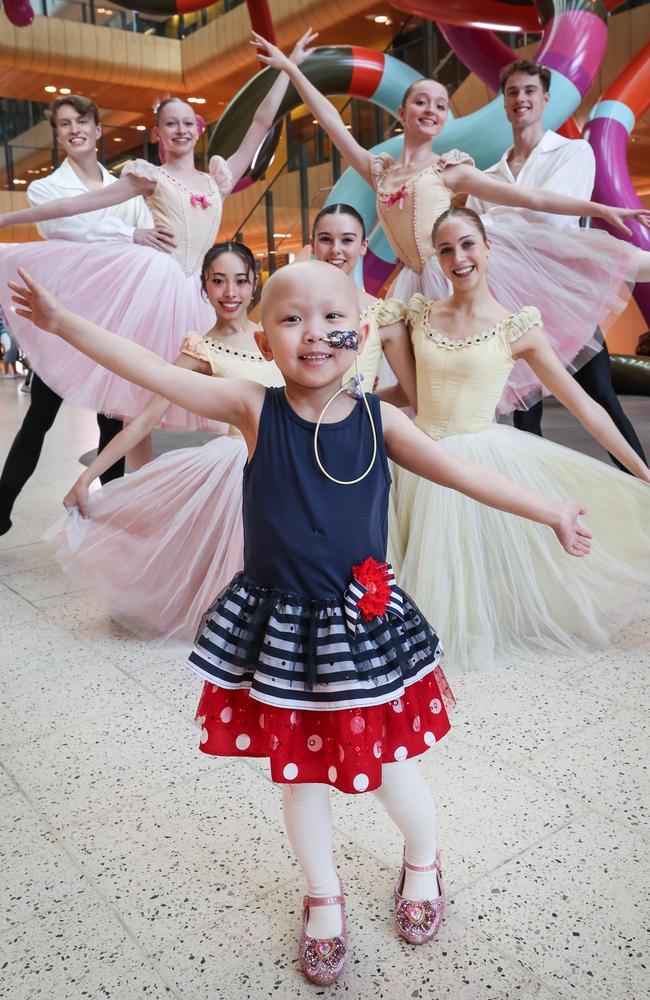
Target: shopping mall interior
{"points": [[135, 866]]}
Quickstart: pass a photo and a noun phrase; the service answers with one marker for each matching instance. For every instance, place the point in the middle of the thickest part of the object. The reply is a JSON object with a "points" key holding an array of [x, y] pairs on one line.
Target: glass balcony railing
{"points": [[109, 15], [22, 161]]}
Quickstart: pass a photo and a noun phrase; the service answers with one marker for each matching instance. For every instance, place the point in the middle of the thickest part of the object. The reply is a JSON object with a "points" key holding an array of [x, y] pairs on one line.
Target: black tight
{"points": [[596, 379], [27, 445]]}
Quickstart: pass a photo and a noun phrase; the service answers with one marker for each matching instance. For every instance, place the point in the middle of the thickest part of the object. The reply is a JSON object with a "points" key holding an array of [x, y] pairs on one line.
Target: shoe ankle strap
{"points": [[324, 901], [427, 868]]}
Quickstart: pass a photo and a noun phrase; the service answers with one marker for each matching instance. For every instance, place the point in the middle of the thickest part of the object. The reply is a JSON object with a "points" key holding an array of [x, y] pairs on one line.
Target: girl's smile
{"points": [[338, 240]]}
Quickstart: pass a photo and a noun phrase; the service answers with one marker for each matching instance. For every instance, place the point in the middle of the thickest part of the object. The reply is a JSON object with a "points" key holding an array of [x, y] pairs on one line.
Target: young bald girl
{"points": [[313, 656]]}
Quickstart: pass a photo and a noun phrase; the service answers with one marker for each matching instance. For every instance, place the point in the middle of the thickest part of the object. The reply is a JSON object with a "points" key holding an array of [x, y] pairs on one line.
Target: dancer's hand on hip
{"points": [[157, 238]]}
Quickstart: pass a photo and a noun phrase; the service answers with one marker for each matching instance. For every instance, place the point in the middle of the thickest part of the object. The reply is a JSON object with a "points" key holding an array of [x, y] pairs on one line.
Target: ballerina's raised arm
{"points": [[130, 184], [460, 178]]}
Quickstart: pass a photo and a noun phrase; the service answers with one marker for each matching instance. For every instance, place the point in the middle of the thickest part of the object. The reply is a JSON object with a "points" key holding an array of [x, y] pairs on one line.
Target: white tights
{"points": [[407, 799]]}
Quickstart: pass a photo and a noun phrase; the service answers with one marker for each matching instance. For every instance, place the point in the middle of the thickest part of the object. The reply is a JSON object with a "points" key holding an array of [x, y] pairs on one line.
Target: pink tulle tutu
{"points": [[135, 291], [159, 545], [576, 277]]}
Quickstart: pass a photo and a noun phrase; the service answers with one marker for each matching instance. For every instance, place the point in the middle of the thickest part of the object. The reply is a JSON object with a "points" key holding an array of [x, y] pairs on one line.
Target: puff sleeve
{"points": [[140, 168], [522, 322], [221, 174]]}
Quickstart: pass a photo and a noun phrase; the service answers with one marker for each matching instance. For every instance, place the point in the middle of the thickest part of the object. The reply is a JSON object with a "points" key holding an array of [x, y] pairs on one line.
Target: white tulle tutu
{"points": [[160, 544], [499, 587], [139, 293], [576, 277]]}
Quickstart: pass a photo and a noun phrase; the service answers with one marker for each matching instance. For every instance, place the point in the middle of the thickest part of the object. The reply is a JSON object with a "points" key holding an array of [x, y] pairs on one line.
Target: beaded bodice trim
{"points": [[236, 352], [513, 326]]}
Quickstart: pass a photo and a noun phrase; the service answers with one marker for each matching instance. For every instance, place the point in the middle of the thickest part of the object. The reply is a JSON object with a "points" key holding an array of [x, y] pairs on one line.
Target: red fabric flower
{"points": [[374, 577]]}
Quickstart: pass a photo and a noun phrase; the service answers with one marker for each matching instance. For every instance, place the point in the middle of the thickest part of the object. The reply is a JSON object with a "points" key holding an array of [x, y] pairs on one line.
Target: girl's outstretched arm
{"points": [[534, 348], [60, 208], [328, 117], [465, 179], [240, 161], [235, 401], [130, 436], [407, 445]]}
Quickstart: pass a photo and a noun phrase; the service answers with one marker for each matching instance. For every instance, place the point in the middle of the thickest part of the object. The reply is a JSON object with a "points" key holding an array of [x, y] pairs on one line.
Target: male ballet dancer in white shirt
{"points": [[541, 158]]}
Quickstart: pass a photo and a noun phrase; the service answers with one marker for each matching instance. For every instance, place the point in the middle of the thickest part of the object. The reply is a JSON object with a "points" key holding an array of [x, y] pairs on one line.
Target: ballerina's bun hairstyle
{"points": [[459, 213], [170, 100], [244, 253], [530, 68], [82, 105], [339, 208], [416, 83]]}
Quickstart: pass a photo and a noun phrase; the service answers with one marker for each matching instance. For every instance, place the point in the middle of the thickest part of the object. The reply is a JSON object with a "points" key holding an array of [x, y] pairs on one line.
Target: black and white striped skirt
{"points": [[294, 652]]}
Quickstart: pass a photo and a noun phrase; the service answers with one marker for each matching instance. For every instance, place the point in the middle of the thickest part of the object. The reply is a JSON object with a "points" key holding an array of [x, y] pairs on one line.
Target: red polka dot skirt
{"points": [[344, 748]]}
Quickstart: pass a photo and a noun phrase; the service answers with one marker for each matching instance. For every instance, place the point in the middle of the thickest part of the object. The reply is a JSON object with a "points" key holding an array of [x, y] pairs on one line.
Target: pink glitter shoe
{"points": [[323, 960], [418, 922]]}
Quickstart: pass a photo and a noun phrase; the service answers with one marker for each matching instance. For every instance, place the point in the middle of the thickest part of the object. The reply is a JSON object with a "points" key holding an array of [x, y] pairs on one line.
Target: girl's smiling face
{"points": [[301, 305], [177, 127], [338, 239], [229, 286], [425, 109], [462, 252]]}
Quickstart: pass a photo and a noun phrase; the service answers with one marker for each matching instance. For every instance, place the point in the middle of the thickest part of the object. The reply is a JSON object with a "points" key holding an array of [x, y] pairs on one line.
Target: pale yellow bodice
{"points": [[231, 362], [407, 209], [379, 313], [460, 382], [194, 218]]}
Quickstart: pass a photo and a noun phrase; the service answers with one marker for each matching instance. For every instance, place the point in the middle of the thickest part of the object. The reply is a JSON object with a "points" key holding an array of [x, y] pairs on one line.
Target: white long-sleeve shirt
{"points": [[567, 166], [106, 225]]}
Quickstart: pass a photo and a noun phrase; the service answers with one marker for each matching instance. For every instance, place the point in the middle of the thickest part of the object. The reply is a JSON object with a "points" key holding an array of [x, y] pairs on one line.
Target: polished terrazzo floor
{"points": [[132, 866]]}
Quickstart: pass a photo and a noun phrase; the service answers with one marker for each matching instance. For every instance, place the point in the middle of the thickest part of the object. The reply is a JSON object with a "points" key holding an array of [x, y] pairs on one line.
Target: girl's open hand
{"points": [[35, 302], [302, 49], [270, 54], [616, 217], [573, 536]]}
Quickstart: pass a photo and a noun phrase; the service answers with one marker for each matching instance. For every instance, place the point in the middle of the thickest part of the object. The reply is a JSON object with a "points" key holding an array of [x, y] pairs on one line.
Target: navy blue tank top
{"points": [[302, 532]]}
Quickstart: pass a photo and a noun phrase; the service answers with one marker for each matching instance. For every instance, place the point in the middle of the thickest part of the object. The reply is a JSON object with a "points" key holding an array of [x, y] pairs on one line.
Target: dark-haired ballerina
{"points": [[159, 545], [144, 295], [574, 277], [339, 238]]}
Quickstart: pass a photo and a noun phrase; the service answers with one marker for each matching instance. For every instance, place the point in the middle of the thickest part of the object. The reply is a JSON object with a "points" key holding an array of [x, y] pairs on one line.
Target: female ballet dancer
{"points": [[339, 238], [161, 544], [195, 539], [503, 592], [575, 276], [147, 296], [313, 656]]}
